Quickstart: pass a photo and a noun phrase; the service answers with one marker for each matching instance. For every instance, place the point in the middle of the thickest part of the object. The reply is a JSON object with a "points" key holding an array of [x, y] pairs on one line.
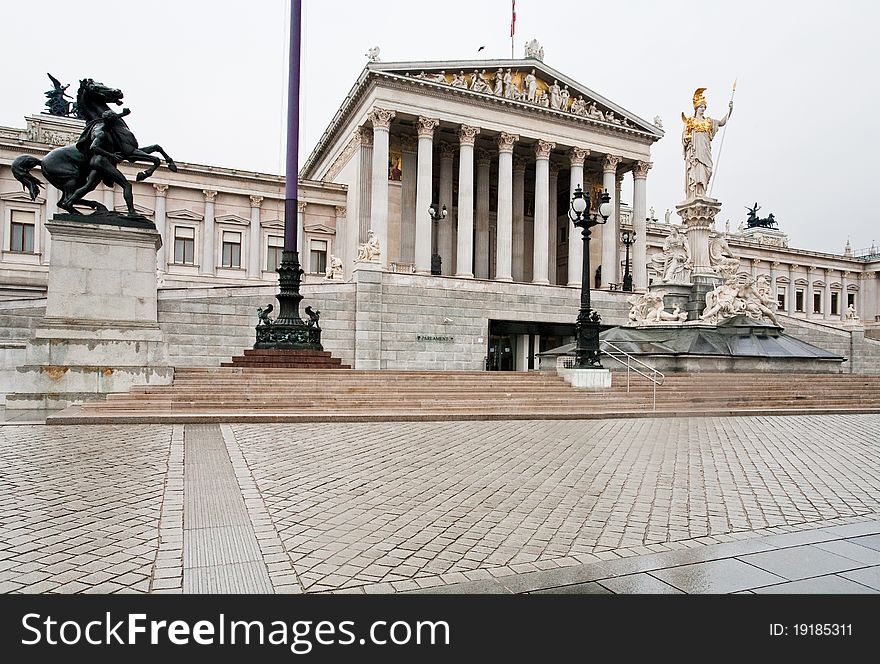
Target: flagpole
{"points": [[512, 25], [721, 145]]}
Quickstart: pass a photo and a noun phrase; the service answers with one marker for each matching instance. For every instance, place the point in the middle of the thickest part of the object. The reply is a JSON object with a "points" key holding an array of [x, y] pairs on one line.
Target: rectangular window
{"points": [[817, 303], [21, 238], [273, 252], [850, 299], [318, 256], [780, 297], [799, 300], [231, 249], [563, 235], [184, 245], [835, 304]]}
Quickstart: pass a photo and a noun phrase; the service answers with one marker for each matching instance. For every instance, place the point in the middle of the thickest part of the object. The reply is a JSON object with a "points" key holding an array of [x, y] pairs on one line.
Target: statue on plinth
{"points": [[649, 308], [721, 257], [696, 140], [369, 250], [57, 97], [674, 262], [334, 270], [76, 170], [850, 316]]}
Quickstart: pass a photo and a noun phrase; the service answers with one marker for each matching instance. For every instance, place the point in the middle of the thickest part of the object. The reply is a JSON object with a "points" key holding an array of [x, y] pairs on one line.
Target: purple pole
{"points": [[292, 173]]}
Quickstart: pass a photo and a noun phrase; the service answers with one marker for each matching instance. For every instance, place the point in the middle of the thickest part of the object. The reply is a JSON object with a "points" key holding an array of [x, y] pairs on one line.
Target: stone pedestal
{"points": [[368, 315], [698, 215], [587, 379], [676, 294], [101, 332], [702, 284]]}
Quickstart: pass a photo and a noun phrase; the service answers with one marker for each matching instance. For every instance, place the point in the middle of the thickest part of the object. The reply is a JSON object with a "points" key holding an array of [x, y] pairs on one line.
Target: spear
{"points": [[721, 146]]}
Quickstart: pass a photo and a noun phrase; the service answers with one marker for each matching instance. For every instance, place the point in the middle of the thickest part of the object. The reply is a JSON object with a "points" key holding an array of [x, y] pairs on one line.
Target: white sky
{"points": [[206, 80]]}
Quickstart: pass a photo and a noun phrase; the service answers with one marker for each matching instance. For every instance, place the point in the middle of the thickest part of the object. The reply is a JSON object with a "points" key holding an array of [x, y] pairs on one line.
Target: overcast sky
{"points": [[206, 80]]}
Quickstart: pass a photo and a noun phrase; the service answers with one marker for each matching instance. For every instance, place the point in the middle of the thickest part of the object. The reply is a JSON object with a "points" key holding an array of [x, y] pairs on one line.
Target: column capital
{"points": [[640, 170], [447, 151], [610, 163], [426, 126], [554, 169], [483, 157], [811, 269], [161, 190], [409, 144], [543, 149], [381, 118], [256, 201], [341, 211], [619, 179], [793, 266], [301, 206], [209, 195], [519, 165], [366, 136], [775, 264], [506, 141], [577, 156], [467, 134]]}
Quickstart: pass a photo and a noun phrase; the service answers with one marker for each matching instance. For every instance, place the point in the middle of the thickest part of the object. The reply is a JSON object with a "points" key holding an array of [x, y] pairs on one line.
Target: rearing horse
{"points": [[74, 171]]}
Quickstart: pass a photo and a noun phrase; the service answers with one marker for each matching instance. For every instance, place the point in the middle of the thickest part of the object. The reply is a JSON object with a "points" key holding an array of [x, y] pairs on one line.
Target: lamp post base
{"points": [[288, 331], [586, 350]]}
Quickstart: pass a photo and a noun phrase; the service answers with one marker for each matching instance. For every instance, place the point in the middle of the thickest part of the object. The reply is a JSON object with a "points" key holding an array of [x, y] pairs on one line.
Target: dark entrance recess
{"points": [[500, 355]]}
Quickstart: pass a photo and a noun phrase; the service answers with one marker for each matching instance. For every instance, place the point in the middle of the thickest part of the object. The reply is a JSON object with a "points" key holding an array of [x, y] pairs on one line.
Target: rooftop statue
{"points": [[534, 50], [754, 221], [696, 140], [76, 170], [57, 99]]}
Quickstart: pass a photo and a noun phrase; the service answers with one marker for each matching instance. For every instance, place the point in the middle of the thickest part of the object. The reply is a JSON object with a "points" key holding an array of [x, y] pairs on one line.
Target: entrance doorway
{"points": [[513, 345], [500, 356]]}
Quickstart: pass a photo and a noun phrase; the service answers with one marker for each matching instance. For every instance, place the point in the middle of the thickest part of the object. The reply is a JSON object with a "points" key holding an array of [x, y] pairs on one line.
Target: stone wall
{"points": [[862, 353]]}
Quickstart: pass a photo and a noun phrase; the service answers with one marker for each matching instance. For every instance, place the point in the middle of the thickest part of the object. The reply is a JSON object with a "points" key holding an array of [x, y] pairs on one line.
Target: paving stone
{"points": [[717, 576], [638, 584], [868, 576], [801, 562], [823, 585]]}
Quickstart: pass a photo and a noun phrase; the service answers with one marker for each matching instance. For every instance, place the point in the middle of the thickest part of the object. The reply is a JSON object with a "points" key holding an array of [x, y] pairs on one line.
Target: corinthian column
{"points": [[409, 184], [465, 253], [381, 119], [209, 264], [481, 243], [446, 227], [424, 191], [254, 243], [504, 219], [161, 225], [575, 241], [365, 190], [551, 238], [540, 267], [640, 226], [519, 223], [610, 256]]}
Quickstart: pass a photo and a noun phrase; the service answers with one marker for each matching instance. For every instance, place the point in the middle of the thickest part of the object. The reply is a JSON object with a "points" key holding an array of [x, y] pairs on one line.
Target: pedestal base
{"points": [[702, 284], [587, 379], [676, 295]]}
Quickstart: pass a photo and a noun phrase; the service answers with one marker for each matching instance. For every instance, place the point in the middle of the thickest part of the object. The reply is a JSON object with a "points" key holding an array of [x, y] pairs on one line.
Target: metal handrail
{"points": [[656, 377]]}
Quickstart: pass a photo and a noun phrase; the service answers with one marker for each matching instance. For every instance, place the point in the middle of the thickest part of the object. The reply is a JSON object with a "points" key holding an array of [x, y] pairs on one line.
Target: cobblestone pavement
{"points": [[387, 507]]}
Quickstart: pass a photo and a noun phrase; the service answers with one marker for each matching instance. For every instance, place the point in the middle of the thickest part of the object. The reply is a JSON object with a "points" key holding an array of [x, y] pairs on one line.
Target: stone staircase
{"points": [[266, 358], [234, 394]]}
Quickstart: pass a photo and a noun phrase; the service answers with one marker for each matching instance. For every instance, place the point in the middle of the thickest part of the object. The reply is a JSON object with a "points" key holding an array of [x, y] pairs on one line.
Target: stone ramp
{"points": [[232, 394]]}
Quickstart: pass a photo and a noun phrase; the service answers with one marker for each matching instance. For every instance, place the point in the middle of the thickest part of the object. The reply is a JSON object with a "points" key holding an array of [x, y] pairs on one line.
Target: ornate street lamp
{"points": [[628, 238], [588, 320], [437, 214]]}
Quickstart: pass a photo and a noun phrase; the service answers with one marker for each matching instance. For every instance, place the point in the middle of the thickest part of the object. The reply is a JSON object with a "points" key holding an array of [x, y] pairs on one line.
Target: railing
{"points": [[650, 373]]}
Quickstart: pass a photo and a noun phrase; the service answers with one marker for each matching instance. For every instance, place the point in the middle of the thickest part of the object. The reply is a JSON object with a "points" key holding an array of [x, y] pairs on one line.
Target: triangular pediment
{"points": [[232, 219], [273, 223], [140, 209], [523, 83], [21, 197], [320, 229], [186, 215]]}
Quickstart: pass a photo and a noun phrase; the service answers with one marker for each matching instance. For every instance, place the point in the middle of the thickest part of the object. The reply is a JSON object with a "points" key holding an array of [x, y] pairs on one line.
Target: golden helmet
{"points": [[699, 98]]}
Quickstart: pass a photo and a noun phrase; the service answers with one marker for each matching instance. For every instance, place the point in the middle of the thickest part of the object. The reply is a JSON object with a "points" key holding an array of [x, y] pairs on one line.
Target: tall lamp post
{"points": [[437, 214], [288, 331], [588, 320], [628, 238]]}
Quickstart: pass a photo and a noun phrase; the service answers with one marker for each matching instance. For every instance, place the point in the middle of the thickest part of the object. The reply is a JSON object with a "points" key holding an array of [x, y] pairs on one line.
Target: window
{"points": [[563, 235], [780, 297], [318, 256], [817, 303], [273, 252], [184, 245], [835, 304], [799, 300], [850, 299], [21, 236], [231, 249]]}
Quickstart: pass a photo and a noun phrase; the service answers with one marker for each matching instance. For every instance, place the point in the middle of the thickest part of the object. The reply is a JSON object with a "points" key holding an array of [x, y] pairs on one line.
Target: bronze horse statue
{"points": [[76, 170]]}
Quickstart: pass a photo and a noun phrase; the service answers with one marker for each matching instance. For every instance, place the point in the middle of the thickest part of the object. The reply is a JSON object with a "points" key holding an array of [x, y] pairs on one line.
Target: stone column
{"points": [[551, 239], [162, 226], [301, 231], [51, 211], [409, 185], [365, 189], [255, 238], [640, 226], [381, 119], [540, 259], [618, 185], [481, 242], [339, 247], [792, 289], [504, 221], [209, 262], [774, 274], [424, 192], [465, 253], [844, 294], [809, 295], [754, 268], [610, 255], [826, 298], [446, 227], [575, 239], [519, 224]]}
